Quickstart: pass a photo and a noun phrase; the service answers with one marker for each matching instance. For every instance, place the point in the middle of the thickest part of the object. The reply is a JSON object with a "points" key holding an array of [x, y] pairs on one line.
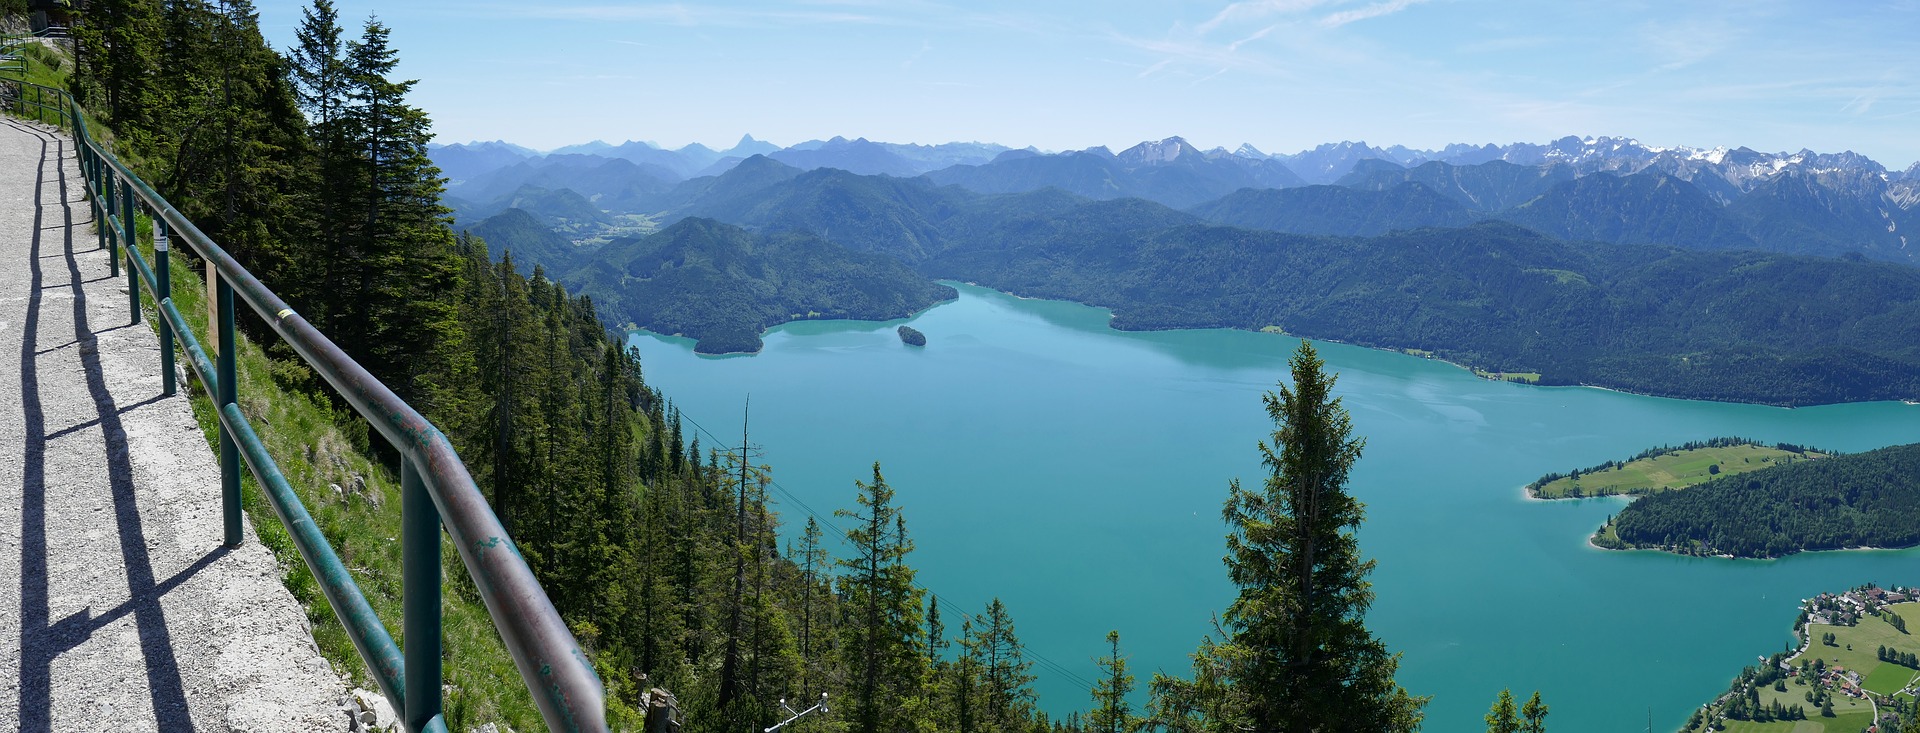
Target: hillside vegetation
{"points": [[1736, 326], [1869, 499], [724, 285], [1668, 468]]}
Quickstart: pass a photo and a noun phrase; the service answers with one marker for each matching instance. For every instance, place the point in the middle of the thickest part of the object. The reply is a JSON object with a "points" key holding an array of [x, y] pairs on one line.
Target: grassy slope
{"points": [[47, 67], [316, 449], [1676, 470]]}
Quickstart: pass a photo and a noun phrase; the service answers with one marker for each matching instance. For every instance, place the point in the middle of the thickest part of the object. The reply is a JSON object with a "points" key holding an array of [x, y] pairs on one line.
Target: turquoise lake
{"points": [[1077, 473]]}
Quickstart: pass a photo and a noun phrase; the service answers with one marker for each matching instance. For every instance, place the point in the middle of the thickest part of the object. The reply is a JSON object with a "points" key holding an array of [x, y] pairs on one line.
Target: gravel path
{"points": [[119, 608]]}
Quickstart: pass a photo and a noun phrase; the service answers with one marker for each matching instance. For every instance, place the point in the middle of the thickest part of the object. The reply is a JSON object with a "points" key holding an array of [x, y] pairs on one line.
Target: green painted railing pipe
{"points": [[130, 232], [99, 209], [420, 575], [196, 355], [225, 397], [369, 635], [163, 293], [109, 188]]}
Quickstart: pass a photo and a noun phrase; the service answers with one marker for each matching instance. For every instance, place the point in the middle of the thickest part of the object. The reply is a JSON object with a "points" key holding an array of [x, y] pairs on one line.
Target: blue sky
{"points": [[1281, 74]]}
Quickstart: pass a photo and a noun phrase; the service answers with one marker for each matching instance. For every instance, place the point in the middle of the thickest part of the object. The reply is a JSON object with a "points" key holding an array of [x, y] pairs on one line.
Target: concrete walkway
{"points": [[119, 608]]}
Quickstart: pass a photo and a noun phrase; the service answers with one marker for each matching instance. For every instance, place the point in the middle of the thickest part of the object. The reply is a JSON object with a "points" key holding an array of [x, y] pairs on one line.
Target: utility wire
{"points": [[1047, 664]]}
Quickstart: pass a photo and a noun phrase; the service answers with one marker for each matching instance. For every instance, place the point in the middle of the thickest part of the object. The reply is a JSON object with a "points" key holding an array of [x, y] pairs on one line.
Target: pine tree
{"points": [[318, 67], [1536, 714], [507, 336], [397, 323], [814, 604], [1005, 674], [965, 686], [882, 632], [119, 39], [1206, 703], [1111, 713], [1501, 718], [658, 617], [1300, 647]]}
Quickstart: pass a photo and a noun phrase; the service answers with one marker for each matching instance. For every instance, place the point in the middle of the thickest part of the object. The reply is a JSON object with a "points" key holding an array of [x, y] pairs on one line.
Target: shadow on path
{"points": [[41, 642]]}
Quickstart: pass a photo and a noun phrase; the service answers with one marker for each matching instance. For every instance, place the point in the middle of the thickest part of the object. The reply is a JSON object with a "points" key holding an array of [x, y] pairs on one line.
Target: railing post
{"points": [[163, 291], [110, 187], [92, 169], [130, 226], [229, 389], [420, 597]]}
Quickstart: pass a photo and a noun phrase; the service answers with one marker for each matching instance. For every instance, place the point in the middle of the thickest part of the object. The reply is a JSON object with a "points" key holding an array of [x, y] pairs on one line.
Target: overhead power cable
{"points": [[1048, 664]]}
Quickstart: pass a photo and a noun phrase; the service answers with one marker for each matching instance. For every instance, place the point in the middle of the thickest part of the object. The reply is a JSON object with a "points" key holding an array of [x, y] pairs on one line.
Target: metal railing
{"points": [[436, 490]]}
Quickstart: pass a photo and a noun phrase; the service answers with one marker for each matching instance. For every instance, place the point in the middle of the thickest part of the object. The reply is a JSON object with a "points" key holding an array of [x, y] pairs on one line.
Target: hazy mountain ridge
{"points": [[1827, 204]]}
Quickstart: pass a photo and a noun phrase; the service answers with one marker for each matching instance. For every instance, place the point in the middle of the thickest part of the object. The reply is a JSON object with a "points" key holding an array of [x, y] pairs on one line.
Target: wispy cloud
{"points": [[880, 13], [1214, 56], [1335, 20], [1257, 10], [699, 15], [925, 46]]}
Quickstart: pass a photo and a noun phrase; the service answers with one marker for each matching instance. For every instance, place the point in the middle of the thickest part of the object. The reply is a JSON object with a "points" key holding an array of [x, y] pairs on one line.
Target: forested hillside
{"points": [[1710, 325], [724, 285], [1336, 210], [1869, 499]]}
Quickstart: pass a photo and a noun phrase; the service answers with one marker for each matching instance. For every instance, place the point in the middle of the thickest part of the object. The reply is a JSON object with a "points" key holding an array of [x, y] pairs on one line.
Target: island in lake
{"points": [[912, 336], [1746, 499]]}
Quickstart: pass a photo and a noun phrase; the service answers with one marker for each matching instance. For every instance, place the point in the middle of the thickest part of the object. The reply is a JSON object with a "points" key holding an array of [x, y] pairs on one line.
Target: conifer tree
{"points": [[1300, 649], [882, 632], [814, 605], [119, 39], [1111, 713], [398, 325], [1535, 713], [1501, 718], [966, 675], [1206, 703], [658, 618], [318, 67], [1005, 676]]}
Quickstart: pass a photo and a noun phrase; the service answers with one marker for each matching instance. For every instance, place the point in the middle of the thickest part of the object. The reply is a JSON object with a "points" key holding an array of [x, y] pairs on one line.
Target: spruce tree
{"points": [[397, 324], [885, 666], [1206, 703], [1502, 719], [965, 686], [120, 40], [317, 64], [1111, 713], [1299, 647], [814, 606], [1535, 713], [1005, 674]]}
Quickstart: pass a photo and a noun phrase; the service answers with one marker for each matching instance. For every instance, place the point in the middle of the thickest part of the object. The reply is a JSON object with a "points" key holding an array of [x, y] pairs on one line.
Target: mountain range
{"points": [[1613, 190]]}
